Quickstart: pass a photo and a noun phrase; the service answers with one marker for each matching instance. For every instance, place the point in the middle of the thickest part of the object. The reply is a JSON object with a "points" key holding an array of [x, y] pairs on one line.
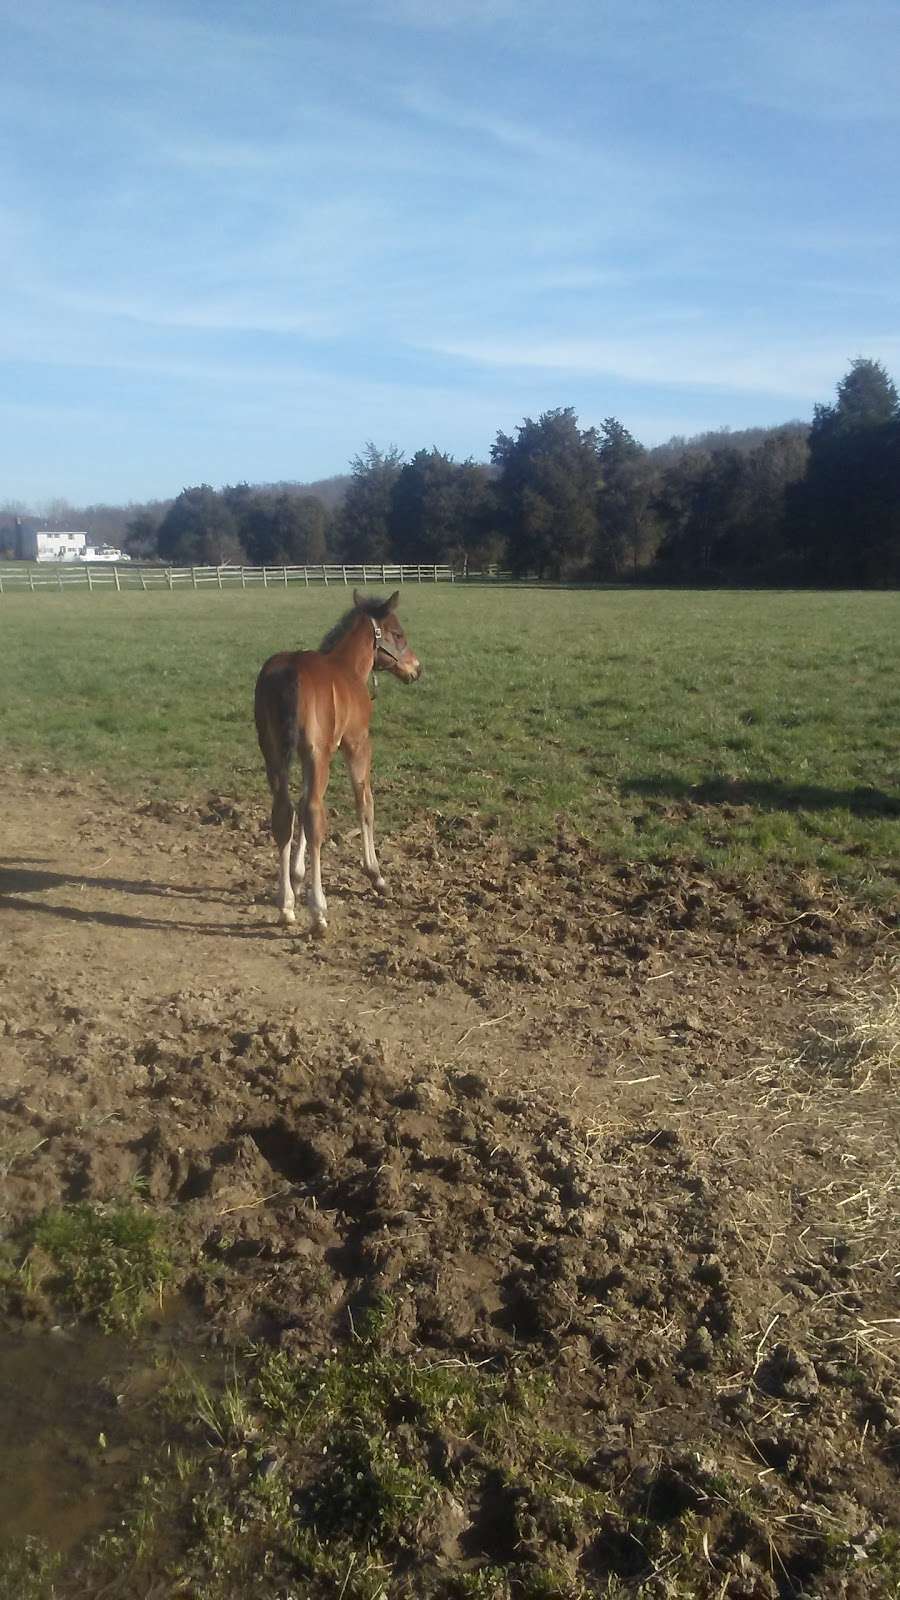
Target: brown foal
{"points": [[314, 702]]}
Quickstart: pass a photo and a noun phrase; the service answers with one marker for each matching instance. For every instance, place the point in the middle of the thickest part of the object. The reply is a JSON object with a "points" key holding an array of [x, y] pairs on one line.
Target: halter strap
{"points": [[381, 643]]}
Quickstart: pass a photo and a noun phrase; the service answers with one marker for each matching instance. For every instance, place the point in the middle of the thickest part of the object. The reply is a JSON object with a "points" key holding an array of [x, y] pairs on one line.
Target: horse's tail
{"points": [[277, 705]]}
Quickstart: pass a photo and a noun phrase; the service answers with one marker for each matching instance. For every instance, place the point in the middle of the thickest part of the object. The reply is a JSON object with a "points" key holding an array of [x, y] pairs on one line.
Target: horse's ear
{"points": [[358, 598], [394, 600]]}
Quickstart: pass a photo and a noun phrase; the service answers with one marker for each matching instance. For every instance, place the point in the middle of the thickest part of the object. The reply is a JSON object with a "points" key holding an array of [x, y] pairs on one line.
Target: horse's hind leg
{"points": [[283, 833], [359, 764], [275, 714], [315, 782]]}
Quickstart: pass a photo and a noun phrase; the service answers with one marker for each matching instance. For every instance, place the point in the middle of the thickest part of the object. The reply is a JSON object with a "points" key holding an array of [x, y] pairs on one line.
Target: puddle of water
{"points": [[77, 1421]]}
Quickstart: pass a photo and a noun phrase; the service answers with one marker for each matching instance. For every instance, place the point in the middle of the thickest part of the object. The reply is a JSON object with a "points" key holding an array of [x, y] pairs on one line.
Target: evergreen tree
{"points": [[844, 519], [279, 529], [549, 476], [866, 398], [441, 509], [628, 527], [425, 508], [312, 523], [141, 535], [199, 529], [363, 524]]}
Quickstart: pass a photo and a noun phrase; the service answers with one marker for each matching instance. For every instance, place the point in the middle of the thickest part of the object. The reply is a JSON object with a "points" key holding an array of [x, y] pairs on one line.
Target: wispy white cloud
{"points": [[336, 145], [443, 15], [825, 63], [252, 312], [15, 231], [627, 176], [519, 137], [770, 366], [835, 62], [135, 35], [840, 289], [230, 156]]}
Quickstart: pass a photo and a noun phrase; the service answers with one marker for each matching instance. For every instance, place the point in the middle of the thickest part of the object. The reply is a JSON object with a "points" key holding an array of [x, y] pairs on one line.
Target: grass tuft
{"points": [[27, 1570], [99, 1262], [336, 1477]]}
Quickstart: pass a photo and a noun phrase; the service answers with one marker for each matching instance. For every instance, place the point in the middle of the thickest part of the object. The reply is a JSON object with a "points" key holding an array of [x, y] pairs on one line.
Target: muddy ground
{"points": [[621, 1122]]}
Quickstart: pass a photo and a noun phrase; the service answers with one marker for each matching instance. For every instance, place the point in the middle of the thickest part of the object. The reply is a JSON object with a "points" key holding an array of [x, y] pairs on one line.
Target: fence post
{"points": [[169, 576], [324, 575], [194, 576], [383, 578], [90, 580], [284, 575], [306, 575], [344, 572], [243, 579], [419, 571], [435, 573], [365, 574], [143, 580], [219, 576], [59, 578], [1, 582], [116, 576]]}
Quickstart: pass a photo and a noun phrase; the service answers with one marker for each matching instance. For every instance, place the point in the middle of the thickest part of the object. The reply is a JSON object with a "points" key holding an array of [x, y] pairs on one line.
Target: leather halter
{"points": [[381, 644]]}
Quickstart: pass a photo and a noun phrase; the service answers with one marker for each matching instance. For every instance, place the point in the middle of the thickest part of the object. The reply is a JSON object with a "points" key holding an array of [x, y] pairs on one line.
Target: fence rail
{"points": [[86, 575]]}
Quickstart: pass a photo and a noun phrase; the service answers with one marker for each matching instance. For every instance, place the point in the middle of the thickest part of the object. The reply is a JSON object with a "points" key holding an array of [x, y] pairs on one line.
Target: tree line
{"points": [[815, 502]]}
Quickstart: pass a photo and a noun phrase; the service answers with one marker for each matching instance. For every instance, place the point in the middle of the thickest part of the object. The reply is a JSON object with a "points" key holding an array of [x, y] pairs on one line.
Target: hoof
{"points": [[379, 885], [319, 928], [286, 918]]}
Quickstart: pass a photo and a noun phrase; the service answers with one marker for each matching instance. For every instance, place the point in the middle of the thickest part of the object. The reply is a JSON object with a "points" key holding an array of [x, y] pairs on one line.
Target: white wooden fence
{"points": [[62, 576]]}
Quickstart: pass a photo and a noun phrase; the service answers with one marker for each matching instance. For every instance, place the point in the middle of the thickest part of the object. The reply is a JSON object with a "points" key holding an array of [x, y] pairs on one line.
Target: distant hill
{"points": [[109, 524], [330, 491], [743, 440]]}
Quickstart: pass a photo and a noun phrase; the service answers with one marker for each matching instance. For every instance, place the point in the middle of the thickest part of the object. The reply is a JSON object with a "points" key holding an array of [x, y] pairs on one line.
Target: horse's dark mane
{"points": [[371, 606]]}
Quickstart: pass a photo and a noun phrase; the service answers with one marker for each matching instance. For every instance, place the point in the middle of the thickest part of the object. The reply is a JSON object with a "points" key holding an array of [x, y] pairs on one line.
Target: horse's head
{"points": [[392, 653]]}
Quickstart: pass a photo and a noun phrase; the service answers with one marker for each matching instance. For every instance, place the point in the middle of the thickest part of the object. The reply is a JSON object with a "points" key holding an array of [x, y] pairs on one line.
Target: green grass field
{"points": [[741, 729]]}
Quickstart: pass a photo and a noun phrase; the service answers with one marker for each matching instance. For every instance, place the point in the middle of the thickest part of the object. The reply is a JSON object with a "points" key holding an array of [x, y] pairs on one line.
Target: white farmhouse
{"points": [[43, 546]]}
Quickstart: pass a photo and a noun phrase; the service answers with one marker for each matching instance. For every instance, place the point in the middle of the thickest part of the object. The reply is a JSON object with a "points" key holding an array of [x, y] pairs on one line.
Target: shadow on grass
{"points": [[764, 793]]}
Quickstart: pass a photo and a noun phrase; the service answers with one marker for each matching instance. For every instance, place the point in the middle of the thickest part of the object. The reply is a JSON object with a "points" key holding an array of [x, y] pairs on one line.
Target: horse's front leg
{"points": [[315, 773], [358, 756]]}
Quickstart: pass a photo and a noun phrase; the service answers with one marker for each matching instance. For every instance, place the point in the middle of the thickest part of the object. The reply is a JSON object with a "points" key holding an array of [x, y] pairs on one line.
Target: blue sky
{"points": [[240, 239]]}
